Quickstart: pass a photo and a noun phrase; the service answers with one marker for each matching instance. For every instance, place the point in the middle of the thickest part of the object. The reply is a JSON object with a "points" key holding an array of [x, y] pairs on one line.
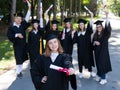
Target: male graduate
{"points": [[16, 34]]}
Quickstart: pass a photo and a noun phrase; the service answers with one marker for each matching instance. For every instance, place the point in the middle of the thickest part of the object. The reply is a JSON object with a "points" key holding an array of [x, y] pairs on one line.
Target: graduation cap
{"points": [[18, 15], [67, 20], [54, 22], [35, 21], [82, 21], [50, 36], [98, 22]]}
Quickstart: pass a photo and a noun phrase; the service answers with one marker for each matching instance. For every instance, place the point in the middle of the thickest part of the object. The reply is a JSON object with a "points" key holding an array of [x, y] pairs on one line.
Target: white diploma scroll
{"points": [[49, 8], [87, 10], [60, 69]]}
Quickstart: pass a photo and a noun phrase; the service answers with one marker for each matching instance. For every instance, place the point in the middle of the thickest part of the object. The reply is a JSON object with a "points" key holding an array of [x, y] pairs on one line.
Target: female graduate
{"points": [[100, 42], [83, 39], [66, 37], [34, 37], [48, 78], [51, 26]]}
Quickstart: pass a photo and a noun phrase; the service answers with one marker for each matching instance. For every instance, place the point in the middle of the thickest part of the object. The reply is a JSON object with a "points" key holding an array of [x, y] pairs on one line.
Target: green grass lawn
{"points": [[7, 60]]}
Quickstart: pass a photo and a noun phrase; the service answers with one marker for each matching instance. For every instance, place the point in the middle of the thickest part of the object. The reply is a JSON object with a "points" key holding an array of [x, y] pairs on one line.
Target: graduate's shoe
{"points": [[97, 78], [103, 81], [81, 75], [19, 76], [93, 74]]}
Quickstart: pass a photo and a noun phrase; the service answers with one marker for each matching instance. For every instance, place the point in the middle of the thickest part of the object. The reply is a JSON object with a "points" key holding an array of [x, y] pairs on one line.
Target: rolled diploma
{"points": [[55, 67], [87, 9], [60, 69], [49, 9]]}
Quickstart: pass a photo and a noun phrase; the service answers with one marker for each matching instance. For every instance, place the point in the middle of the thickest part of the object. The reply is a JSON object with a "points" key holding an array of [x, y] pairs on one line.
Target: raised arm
{"points": [[41, 17], [89, 26], [107, 25], [27, 17]]}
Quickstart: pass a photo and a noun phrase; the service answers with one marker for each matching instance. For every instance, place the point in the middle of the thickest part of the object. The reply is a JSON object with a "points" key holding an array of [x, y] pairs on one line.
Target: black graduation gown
{"points": [[55, 80], [19, 45], [37, 71], [84, 45], [34, 44], [67, 42], [102, 57], [58, 80]]}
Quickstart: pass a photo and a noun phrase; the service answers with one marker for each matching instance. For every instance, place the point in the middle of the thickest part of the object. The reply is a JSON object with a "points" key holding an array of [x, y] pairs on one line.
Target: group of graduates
{"points": [[58, 49]]}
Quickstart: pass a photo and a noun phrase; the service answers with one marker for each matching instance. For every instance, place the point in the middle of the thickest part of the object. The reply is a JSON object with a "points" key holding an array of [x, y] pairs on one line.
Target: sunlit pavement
{"points": [[8, 80]]}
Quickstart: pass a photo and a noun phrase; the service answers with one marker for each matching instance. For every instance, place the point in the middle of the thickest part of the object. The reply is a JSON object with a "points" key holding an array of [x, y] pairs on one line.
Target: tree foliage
{"points": [[71, 6]]}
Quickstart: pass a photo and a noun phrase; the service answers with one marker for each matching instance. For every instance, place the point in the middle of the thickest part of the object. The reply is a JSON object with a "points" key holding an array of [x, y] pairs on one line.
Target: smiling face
{"points": [[68, 25], [53, 44], [99, 28], [18, 20], [54, 27], [82, 26], [35, 25]]}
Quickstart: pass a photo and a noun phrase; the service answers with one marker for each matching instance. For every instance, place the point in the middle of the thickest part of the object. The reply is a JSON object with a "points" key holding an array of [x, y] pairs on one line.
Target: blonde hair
{"points": [[48, 51]]}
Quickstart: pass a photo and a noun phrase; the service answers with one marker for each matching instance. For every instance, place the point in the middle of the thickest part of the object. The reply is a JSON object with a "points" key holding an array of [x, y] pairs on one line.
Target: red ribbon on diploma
{"points": [[60, 69], [64, 70]]}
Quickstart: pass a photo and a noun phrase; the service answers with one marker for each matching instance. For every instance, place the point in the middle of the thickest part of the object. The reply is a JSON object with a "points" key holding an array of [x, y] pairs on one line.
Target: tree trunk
{"points": [[32, 9], [75, 10], [54, 9], [38, 8], [62, 16], [70, 9], [13, 10], [79, 7]]}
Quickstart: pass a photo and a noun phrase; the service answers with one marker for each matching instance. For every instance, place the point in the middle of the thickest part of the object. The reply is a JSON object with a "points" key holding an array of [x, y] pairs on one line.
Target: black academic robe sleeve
{"points": [[107, 29], [11, 34], [68, 64], [47, 27], [37, 72], [25, 24], [89, 29], [67, 61], [75, 37]]}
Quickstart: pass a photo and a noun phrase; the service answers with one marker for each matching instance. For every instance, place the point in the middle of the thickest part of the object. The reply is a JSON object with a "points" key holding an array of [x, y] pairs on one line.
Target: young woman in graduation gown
{"points": [[52, 79], [100, 43], [84, 44], [34, 37], [17, 35], [66, 37], [51, 27]]}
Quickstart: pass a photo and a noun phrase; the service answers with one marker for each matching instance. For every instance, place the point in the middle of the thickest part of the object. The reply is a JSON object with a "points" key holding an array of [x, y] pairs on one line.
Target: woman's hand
{"points": [[29, 5], [44, 79], [71, 71], [96, 43]]}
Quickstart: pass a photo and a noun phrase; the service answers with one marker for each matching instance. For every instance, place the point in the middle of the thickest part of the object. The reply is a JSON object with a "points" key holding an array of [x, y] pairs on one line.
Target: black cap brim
{"points": [[51, 36], [98, 22]]}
